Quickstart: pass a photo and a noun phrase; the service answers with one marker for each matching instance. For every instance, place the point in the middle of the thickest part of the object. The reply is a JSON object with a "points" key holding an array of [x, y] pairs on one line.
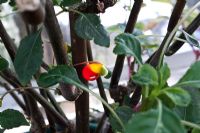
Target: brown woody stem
{"points": [[57, 117], [101, 123], [79, 54], [173, 21], [69, 92], [54, 103], [155, 57], [49, 117], [99, 80], [15, 83], [37, 120], [15, 97], [120, 58], [8, 42], [55, 34], [190, 30]]}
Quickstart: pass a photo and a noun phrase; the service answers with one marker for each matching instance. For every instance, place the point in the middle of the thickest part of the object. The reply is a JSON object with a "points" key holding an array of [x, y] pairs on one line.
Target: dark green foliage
{"points": [[159, 120], [59, 74], [192, 77], [88, 26], [12, 118], [146, 76], [124, 113], [128, 44], [29, 57], [3, 63]]}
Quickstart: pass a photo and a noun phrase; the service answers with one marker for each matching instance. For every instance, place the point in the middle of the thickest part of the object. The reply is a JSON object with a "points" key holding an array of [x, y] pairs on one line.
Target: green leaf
{"points": [[128, 44], [124, 113], [2, 130], [88, 26], [127, 101], [160, 120], [12, 3], [179, 96], [3, 63], [58, 74], [108, 75], [146, 76], [3, 1], [195, 131], [192, 77], [166, 101], [190, 39], [164, 74], [191, 113], [57, 2], [29, 57], [12, 118], [68, 2]]}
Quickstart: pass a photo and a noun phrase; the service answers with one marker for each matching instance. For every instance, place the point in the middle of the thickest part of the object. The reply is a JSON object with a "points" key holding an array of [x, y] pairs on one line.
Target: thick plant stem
{"points": [[99, 80], [37, 120], [10, 78], [31, 105], [120, 58], [56, 106], [101, 123], [69, 92], [171, 36], [7, 74], [155, 57], [15, 97], [57, 117], [79, 55], [174, 19], [54, 103], [55, 34], [15, 83], [136, 96], [51, 121], [49, 117], [8, 42], [45, 66], [176, 14], [114, 114], [190, 30]]}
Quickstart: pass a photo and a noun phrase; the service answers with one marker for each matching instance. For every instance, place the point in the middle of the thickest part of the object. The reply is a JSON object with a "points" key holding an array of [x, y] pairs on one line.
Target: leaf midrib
{"points": [[159, 119], [26, 64], [187, 82]]}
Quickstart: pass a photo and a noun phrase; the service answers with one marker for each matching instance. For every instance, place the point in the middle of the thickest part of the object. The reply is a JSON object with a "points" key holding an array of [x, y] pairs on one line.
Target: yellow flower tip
{"points": [[96, 67], [93, 70]]}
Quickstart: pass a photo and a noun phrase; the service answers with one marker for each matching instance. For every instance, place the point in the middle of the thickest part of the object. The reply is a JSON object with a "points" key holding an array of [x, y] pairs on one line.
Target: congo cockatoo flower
{"points": [[94, 70]]}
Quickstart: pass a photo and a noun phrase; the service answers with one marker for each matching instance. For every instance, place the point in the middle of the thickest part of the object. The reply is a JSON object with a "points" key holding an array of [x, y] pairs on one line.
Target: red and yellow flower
{"points": [[94, 70]]}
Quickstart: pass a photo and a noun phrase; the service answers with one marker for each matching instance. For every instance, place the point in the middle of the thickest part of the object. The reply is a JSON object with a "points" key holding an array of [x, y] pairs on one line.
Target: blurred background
{"points": [[152, 22]]}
